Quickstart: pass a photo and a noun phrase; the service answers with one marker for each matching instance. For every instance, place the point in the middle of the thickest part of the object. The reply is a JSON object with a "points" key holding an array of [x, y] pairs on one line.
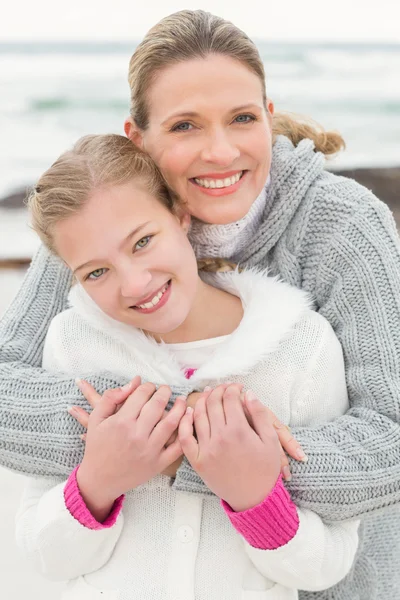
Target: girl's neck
{"points": [[214, 313]]}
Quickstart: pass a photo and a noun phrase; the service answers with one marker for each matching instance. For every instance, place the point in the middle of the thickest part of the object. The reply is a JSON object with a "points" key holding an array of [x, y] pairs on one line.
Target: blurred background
{"points": [[63, 73]]}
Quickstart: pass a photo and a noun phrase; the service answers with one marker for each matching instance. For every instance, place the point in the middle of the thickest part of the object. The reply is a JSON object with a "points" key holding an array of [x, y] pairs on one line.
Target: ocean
{"points": [[52, 93]]}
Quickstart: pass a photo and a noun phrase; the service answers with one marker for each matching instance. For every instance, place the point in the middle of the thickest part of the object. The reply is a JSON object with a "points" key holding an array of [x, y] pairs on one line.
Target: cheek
{"points": [[174, 163]]}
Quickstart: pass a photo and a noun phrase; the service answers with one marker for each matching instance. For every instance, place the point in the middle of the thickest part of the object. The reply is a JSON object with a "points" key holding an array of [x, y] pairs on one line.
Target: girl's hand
{"points": [[118, 395], [124, 449], [288, 443], [238, 463]]}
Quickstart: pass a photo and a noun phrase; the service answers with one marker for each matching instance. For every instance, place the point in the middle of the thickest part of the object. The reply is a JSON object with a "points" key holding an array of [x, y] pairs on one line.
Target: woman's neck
{"points": [[229, 240], [214, 313]]}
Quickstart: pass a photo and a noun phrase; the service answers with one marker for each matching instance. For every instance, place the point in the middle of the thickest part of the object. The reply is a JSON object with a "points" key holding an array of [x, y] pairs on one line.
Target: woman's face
{"points": [[132, 256], [210, 135]]}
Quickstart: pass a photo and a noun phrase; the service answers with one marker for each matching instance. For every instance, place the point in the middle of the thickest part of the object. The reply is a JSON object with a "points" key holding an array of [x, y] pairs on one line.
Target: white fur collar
{"points": [[271, 309]]}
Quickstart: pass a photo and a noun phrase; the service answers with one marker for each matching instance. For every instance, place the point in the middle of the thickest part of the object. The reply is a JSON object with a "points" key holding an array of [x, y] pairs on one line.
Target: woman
{"points": [[141, 305], [317, 231]]}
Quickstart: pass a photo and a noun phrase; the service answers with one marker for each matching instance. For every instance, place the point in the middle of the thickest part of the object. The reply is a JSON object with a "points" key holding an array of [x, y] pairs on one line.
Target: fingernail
{"points": [[287, 474], [80, 383], [300, 455], [126, 387], [207, 388], [250, 396], [72, 410], [189, 410]]}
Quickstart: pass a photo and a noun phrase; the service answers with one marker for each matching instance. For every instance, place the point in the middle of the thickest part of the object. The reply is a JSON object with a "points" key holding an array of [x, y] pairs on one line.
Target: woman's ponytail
{"points": [[297, 128]]}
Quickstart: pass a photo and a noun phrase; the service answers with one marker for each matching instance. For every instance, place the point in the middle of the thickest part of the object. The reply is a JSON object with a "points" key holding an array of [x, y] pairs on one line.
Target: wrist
{"points": [[248, 499], [95, 495], [271, 524]]}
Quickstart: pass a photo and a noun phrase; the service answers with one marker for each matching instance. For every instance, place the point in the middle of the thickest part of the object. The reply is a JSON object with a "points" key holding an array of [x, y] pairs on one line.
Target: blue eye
{"points": [[143, 242], [182, 126], [245, 118], [96, 274]]}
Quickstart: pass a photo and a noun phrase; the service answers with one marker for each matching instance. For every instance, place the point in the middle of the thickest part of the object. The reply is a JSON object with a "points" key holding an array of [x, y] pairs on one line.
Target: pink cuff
{"points": [[269, 525], [78, 509]]}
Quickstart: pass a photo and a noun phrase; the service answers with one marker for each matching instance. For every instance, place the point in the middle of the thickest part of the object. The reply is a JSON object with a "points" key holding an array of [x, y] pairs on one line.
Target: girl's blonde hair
{"points": [[95, 161], [191, 34]]}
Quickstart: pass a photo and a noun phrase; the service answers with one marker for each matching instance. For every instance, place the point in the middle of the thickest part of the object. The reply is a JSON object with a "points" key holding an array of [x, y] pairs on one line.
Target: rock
{"points": [[383, 182], [15, 200]]}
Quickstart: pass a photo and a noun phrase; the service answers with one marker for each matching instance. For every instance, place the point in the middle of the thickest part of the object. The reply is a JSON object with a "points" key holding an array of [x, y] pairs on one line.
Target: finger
{"points": [[108, 405], [233, 407], [80, 415], [83, 437], [136, 400], [201, 421], [93, 397], [215, 410], [152, 412], [188, 442], [289, 443], [259, 414], [170, 455], [166, 427], [88, 392], [285, 469]]}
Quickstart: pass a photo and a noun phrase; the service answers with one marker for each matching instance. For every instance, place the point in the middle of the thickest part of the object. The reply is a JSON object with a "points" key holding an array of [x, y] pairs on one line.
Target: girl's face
{"points": [[132, 256], [210, 135]]}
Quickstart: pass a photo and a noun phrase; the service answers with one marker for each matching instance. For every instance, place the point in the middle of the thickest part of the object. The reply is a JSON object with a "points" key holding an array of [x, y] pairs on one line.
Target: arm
{"points": [[312, 555], [37, 435], [357, 288], [63, 542]]}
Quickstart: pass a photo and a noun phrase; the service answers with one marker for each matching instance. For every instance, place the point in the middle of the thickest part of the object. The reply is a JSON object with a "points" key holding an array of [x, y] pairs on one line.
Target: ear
{"points": [[133, 132], [270, 107], [184, 220]]}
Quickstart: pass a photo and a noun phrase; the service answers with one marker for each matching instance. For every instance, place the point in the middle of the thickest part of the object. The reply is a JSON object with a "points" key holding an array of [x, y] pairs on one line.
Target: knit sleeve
{"points": [[37, 435], [354, 462]]}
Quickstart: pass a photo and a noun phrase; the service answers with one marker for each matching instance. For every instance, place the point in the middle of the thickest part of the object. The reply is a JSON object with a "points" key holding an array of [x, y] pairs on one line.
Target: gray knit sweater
{"points": [[331, 237]]}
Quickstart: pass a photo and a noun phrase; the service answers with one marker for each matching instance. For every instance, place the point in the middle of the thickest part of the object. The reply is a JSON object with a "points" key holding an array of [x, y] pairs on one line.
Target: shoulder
{"points": [[315, 331], [312, 344], [334, 203]]}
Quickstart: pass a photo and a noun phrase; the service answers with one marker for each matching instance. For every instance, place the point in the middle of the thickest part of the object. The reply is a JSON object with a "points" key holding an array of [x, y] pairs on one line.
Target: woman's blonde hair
{"points": [[191, 34], [95, 161]]}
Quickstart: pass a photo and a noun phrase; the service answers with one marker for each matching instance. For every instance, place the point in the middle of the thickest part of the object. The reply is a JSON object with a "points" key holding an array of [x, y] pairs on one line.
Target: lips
{"points": [[154, 301]]}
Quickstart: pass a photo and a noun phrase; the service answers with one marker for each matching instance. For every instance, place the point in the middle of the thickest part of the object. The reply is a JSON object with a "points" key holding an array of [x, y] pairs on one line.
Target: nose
{"points": [[135, 282], [220, 149]]}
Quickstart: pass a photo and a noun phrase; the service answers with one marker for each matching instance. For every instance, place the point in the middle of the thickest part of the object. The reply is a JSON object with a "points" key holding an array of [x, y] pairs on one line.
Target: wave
{"points": [[65, 104]]}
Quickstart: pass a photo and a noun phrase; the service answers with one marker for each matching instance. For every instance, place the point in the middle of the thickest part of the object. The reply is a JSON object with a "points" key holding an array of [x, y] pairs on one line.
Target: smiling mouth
{"points": [[151, 302], [218, 183]]}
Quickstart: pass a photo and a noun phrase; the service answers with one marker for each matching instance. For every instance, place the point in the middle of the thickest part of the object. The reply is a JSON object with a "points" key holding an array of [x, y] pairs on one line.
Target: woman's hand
{"points": [[238, 463], [126, 448]]}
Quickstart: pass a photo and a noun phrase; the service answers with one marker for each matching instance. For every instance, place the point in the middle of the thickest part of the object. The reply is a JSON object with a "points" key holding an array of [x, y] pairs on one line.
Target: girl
{"points": [[199, 107], [140, 306]]}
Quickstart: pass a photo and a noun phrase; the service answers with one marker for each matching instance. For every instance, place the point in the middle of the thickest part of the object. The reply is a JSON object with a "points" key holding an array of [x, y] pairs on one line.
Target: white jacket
{"points": [[169, 545]]}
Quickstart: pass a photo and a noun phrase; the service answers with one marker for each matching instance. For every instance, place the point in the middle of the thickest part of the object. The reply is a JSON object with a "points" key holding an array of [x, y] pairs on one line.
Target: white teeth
{"points": [[155, 300], [219, 183]]}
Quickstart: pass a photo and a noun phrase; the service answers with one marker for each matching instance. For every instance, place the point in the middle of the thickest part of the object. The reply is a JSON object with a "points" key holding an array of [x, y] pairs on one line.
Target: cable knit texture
{"points": [[327, 235], [269, 525], [78, 509], [228, 241]]}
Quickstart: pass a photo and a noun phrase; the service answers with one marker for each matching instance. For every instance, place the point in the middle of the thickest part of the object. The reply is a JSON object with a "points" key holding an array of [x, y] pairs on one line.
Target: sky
{"points": [[125, 20]]}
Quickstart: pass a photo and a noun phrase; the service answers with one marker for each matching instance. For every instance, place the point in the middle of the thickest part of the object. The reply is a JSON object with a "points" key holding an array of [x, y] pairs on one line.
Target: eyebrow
{"points": [[128, 237], [195, 114]]}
